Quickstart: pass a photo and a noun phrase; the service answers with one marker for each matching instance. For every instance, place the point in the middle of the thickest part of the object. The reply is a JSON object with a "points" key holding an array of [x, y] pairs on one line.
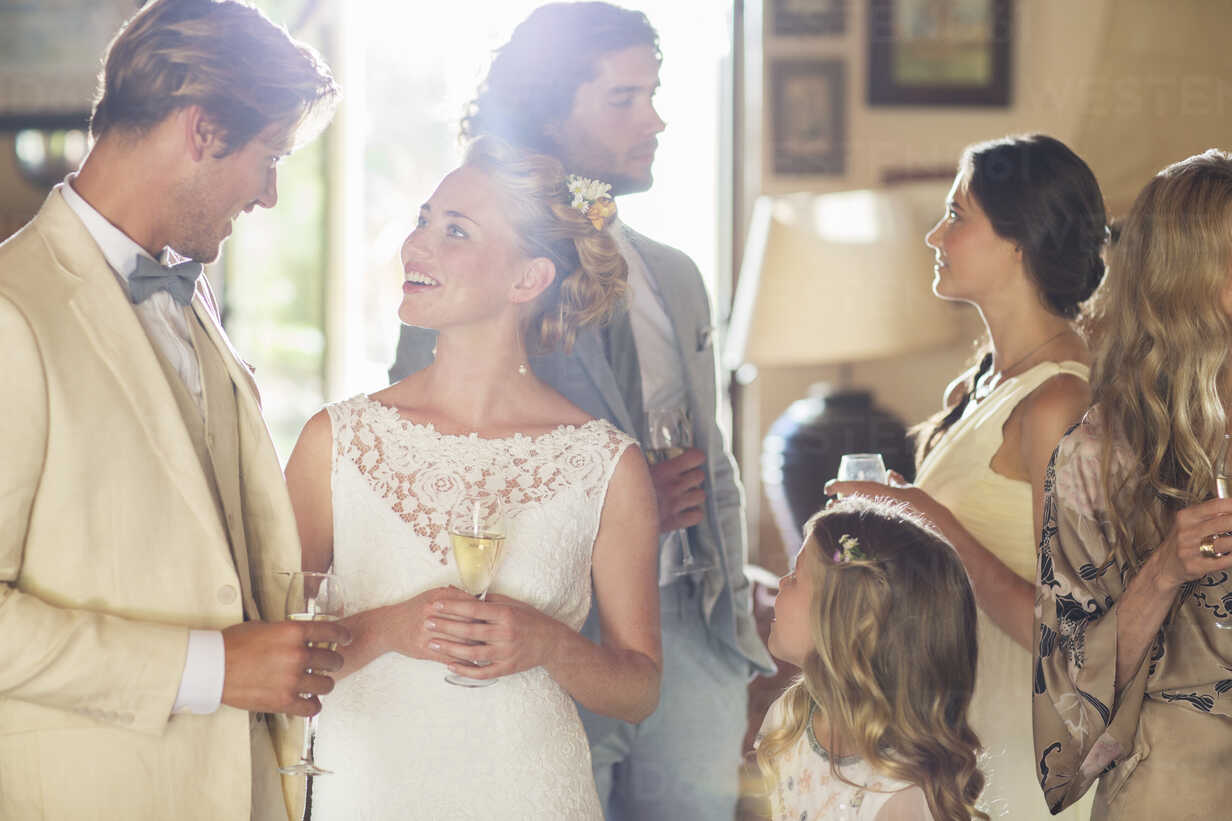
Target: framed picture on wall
{"points": [[939, 52], [808, 115], [809, 17]]}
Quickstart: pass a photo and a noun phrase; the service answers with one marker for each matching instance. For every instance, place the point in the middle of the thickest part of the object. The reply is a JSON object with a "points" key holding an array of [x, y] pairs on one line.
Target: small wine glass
{"points": [[862, 467], [312, 597], [1223, 489], [477, 532], [1223, 468], [670, 433]]}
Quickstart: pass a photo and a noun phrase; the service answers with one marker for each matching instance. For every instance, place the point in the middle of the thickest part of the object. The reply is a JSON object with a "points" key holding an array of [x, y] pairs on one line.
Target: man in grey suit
{"points": [[577, 81]]}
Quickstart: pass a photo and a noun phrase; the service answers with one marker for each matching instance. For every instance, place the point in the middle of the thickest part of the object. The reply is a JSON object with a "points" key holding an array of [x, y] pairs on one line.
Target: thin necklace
{"points": [[1001, 372]]}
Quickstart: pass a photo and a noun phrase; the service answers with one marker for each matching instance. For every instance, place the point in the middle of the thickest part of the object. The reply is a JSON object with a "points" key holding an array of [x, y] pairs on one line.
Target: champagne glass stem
{"points": [[686, 552], [310, 733]]}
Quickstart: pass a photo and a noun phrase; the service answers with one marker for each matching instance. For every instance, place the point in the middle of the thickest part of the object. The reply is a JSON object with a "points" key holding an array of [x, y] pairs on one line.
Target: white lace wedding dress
{"points": [[402, 743]]}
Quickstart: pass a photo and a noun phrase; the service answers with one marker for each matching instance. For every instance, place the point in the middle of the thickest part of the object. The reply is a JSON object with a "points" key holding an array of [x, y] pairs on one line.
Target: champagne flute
{"points": [[670, 433], [312, 597], [477, 532]]}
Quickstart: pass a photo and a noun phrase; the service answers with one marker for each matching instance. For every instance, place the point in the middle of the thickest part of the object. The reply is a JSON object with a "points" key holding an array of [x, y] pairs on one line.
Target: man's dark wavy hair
{"points": [[534, 77]]}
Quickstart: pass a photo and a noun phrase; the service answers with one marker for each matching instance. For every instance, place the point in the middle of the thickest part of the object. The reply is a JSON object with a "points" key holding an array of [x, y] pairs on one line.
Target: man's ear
{"points": [[534, 279], [201, 133]]}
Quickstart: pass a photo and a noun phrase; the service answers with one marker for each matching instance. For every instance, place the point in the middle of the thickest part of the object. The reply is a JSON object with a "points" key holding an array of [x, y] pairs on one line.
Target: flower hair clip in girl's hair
{"points": [[591, 198], [849, 550]]}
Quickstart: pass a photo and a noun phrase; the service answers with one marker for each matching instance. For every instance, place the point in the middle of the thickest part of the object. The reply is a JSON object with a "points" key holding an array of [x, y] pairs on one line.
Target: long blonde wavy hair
{"points": [[1160, 377], [591, 275], [894, 652]]}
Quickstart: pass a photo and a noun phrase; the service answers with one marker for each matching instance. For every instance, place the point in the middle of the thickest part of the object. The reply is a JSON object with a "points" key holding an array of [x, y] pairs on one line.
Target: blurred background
{"points": [[774, 108]]}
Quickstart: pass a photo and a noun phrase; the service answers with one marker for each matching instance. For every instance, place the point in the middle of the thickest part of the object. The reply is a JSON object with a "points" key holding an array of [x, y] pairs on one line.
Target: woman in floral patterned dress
{"points": [[1133, 679]]}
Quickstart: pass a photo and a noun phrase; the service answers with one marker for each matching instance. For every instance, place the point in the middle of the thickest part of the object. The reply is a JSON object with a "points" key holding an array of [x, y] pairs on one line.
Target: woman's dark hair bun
{"points": [[1040, 195]]}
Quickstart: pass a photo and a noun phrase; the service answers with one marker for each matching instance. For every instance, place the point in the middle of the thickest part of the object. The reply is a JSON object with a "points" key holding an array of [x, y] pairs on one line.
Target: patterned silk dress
{"points": [[1161, 745]]}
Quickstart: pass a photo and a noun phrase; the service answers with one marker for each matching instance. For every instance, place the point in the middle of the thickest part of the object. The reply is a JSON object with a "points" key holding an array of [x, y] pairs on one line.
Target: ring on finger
{"points": [[1207, 547]]}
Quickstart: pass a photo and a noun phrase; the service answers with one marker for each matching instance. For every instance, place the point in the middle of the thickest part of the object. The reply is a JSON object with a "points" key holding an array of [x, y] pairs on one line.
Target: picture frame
{"points": [[808, 119], [939, 52], [804, 18], [50, 59]]}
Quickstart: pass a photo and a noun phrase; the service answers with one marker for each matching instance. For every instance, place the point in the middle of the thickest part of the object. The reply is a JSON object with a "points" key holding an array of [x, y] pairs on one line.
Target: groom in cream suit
{"points": [[577, 81], [143, 515]]}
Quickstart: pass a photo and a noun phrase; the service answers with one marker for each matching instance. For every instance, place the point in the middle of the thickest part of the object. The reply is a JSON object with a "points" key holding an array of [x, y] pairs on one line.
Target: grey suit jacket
{"points": [[585, 378]]}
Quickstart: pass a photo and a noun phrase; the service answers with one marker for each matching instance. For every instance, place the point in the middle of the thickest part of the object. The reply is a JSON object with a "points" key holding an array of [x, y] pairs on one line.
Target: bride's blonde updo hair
{"points": [[591, 275]]}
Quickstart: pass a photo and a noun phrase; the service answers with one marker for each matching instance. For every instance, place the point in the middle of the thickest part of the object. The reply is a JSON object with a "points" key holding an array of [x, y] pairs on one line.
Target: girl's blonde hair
{"points": [[893, 664], [591, 275], [1160, 377]]}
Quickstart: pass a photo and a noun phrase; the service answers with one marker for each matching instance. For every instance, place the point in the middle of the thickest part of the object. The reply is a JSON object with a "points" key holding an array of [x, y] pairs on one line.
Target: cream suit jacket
{"points": [[112, 547]]}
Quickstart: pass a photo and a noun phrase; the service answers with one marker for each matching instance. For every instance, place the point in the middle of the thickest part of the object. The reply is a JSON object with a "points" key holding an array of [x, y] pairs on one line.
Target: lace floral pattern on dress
{"points": [[389, 451]]}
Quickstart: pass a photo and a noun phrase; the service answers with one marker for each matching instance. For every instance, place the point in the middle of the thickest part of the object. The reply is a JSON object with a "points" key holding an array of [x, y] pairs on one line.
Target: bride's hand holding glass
{"points": [[497, 637], [402, 627]]}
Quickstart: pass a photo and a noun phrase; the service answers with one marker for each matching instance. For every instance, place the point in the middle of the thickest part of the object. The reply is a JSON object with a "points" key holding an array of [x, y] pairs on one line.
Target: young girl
{"points": [[880, 617]]}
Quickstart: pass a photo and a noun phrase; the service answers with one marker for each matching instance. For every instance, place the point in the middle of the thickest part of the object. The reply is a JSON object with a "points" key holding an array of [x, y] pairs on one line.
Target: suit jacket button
{"points": [[226, 594]]}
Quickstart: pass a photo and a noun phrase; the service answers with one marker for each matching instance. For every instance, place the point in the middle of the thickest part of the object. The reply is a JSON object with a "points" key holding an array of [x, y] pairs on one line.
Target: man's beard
{"points": [[630, 185]]}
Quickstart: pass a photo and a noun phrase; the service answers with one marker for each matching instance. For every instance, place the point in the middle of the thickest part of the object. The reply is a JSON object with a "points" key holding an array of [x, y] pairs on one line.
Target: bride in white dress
{"points": [[372, 480]]}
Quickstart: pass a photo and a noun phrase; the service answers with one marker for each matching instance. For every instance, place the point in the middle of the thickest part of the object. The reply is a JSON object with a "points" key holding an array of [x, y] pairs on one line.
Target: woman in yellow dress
{"points": [[1022, 240]]}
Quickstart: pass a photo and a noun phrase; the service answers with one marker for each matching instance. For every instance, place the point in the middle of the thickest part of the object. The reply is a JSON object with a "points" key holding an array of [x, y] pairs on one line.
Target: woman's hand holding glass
{"points": [[1197, 544], [403, 627], [494, 637], [897, 489], [477, 534]]}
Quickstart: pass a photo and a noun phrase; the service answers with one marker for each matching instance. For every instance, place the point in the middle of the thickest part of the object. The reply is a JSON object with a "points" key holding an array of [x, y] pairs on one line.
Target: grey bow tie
{"points": [[149, 277]]}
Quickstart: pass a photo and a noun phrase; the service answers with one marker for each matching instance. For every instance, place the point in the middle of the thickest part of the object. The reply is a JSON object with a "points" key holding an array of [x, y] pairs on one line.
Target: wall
{"points": [[1053, 50], [19, 200]]}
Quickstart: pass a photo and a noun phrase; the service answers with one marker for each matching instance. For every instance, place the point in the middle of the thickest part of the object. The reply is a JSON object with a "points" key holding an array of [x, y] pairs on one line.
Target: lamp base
{"points": [[803, 448]]}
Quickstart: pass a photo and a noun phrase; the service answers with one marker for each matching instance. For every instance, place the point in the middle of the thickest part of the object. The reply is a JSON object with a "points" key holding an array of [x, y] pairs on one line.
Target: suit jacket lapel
{"points": [[678, 294], [680, 302], [588, 351], [272, 543], [223, 448], [106, 317]]}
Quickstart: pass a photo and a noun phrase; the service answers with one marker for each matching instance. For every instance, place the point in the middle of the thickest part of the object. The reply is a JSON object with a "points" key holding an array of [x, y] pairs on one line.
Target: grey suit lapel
{"points": [[588, 350], [679, 298]]}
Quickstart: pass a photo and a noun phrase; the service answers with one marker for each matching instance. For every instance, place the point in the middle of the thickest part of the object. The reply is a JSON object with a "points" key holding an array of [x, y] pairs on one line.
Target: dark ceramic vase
{"points": [[803, 448]]}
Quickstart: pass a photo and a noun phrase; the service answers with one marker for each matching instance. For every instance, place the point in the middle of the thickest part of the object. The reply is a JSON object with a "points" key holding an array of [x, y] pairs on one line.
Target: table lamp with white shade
{"points": [[832, 279]]}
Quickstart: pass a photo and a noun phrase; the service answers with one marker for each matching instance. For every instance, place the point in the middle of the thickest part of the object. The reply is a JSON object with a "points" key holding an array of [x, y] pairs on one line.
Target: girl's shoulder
{"points": [[908, 804]]}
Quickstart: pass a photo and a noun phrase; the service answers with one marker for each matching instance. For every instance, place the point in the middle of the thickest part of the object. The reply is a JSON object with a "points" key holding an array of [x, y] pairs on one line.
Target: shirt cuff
{"points": [[204, 668]]}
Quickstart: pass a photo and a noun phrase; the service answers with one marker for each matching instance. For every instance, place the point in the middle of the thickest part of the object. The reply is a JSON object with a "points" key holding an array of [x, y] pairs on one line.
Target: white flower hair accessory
{"points": [[592, 199], [849, 550]]}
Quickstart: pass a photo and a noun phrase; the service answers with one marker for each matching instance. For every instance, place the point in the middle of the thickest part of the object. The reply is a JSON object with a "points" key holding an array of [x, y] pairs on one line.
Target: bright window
{"points": [[315, 310]]}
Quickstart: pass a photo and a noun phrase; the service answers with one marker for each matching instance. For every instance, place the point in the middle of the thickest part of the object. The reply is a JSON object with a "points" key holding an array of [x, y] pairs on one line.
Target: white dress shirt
{"points": [[166, 325], [663, 374]]}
